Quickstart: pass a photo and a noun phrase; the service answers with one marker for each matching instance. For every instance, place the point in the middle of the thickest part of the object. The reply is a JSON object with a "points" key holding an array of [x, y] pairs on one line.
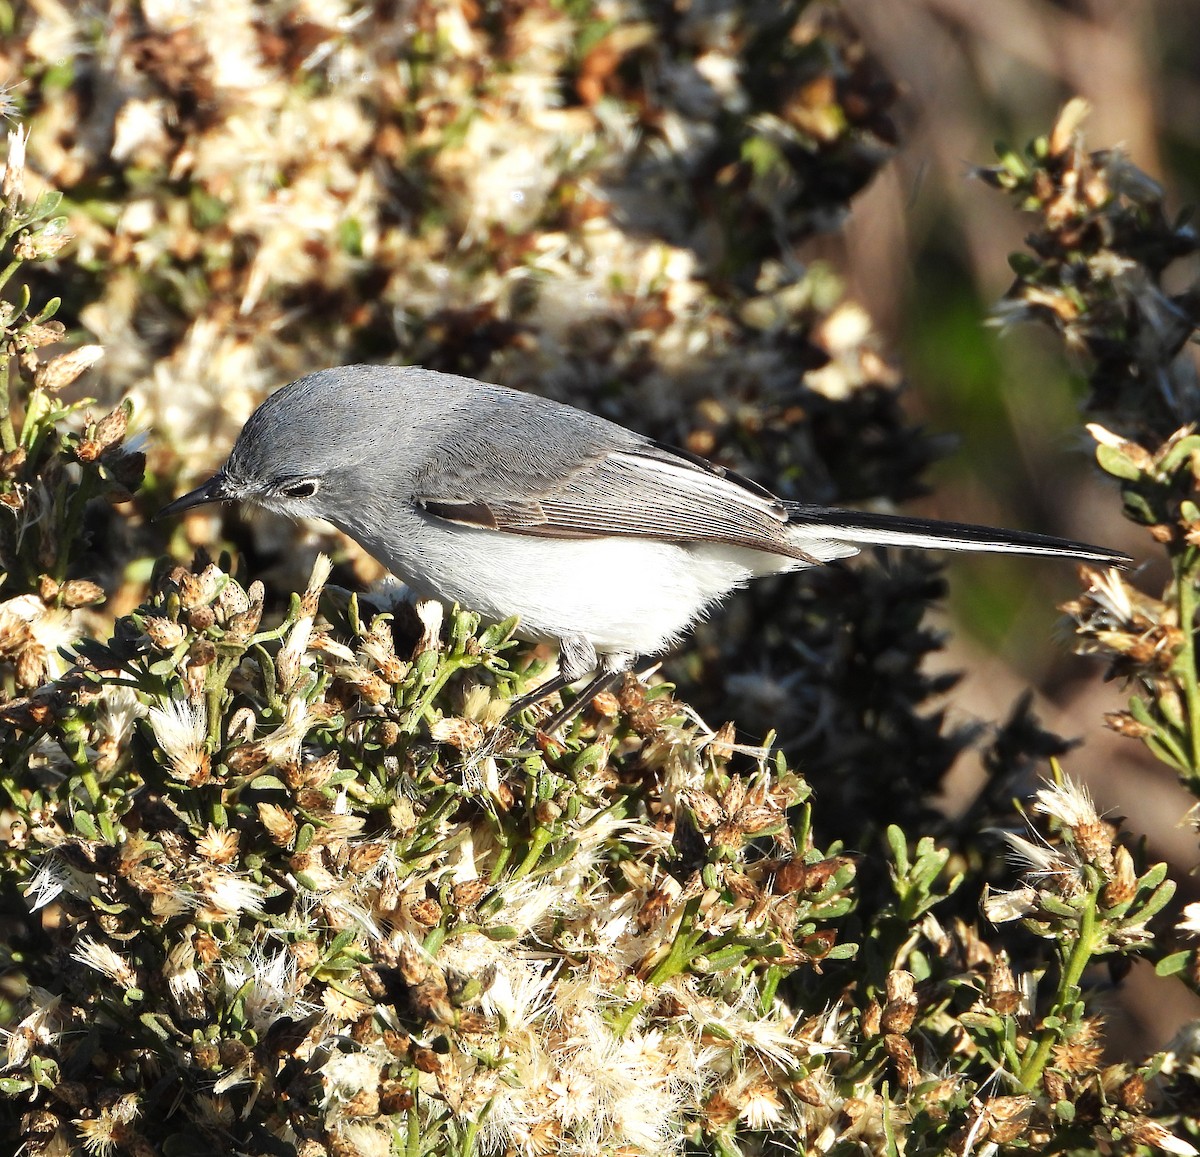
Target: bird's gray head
{"points": [[301, 452]]}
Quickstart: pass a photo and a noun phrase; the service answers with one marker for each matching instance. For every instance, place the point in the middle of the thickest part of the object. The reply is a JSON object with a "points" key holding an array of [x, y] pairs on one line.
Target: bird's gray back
{"points": [[420, 427]]}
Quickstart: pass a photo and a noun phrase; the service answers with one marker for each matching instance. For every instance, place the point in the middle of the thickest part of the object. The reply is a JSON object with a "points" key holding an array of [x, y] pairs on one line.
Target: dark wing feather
{"points": [[645, 491]]}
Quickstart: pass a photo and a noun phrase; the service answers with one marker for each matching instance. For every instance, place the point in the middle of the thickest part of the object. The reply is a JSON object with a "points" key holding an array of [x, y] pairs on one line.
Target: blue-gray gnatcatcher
{"points": [[601, 540]]}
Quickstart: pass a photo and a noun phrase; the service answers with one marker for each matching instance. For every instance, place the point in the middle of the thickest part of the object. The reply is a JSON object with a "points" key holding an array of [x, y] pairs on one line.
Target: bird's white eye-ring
{"points": [[302, 488]]}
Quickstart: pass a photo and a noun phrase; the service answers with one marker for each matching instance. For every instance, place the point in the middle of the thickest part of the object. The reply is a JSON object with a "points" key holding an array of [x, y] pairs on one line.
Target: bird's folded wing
{"points": [[643, 492]]}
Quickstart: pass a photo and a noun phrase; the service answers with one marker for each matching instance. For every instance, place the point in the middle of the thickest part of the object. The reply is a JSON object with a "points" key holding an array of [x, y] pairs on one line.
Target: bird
{"points": [[601, 540]]}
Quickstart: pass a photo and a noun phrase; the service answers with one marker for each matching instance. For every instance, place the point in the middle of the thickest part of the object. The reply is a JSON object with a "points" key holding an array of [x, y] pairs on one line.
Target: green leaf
{"points": [[899, 847], [1174, 964], [1058, 907], [1157, 902], [1138, 508], [1011, 160], [48, 310], [501, 932], [841, 952], [350, 236], [720, 961], [154, 1022], [1153, 877], [464, 626], [833, 909], [45, 205], [112, 908], [1179, 454], [1113, 460], [1164, 753], [336, 947], [498, 633], [890, 1146], [1140, 712], [267, 782], [763, 155]]}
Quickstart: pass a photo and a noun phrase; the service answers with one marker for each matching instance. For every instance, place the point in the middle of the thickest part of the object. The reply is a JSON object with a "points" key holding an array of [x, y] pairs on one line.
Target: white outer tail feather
{"points": [[826, 533]]}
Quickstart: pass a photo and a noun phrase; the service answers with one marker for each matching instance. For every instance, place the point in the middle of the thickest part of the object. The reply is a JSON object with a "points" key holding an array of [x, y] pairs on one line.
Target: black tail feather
{"points": [[867, 529]]}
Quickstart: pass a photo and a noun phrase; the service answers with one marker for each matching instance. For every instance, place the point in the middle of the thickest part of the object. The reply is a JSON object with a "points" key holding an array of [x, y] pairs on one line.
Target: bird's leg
{"points": [[601, 682], [576, 658], [543, 691]]}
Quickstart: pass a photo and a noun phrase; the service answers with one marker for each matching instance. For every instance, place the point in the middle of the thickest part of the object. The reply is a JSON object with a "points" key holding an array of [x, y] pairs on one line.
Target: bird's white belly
{"points": [[621, 594]]}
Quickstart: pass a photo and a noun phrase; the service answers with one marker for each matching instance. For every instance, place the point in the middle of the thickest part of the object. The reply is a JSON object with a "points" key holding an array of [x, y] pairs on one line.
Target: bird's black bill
{"points": [[212, 491]]}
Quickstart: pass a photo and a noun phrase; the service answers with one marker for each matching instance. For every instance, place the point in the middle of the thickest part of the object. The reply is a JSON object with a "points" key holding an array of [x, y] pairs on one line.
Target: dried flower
{"points": [[109, 1130], [1144, 1131], [12, 184], [279, 822], [59, 372], [181, 728], [184, 982], [164, 634], [218, 846], [429, 611], [105, 960], [34, 637], [223, 894]]}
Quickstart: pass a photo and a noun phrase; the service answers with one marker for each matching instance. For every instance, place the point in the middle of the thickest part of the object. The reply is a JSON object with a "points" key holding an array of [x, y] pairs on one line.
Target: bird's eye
{"points": [[304, 488]]}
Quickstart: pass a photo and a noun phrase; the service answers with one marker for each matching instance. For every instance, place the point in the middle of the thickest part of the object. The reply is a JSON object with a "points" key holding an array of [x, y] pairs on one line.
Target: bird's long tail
{"points": [[862, 528]]}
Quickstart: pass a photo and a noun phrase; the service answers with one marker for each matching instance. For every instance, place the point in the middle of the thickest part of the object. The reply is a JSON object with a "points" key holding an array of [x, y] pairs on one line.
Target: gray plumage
{"points": [[598, 538]]}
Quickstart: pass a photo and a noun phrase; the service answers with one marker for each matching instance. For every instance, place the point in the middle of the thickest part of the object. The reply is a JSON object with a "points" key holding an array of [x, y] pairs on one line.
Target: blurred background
{"points": [[748, 228], [925, 249]]}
